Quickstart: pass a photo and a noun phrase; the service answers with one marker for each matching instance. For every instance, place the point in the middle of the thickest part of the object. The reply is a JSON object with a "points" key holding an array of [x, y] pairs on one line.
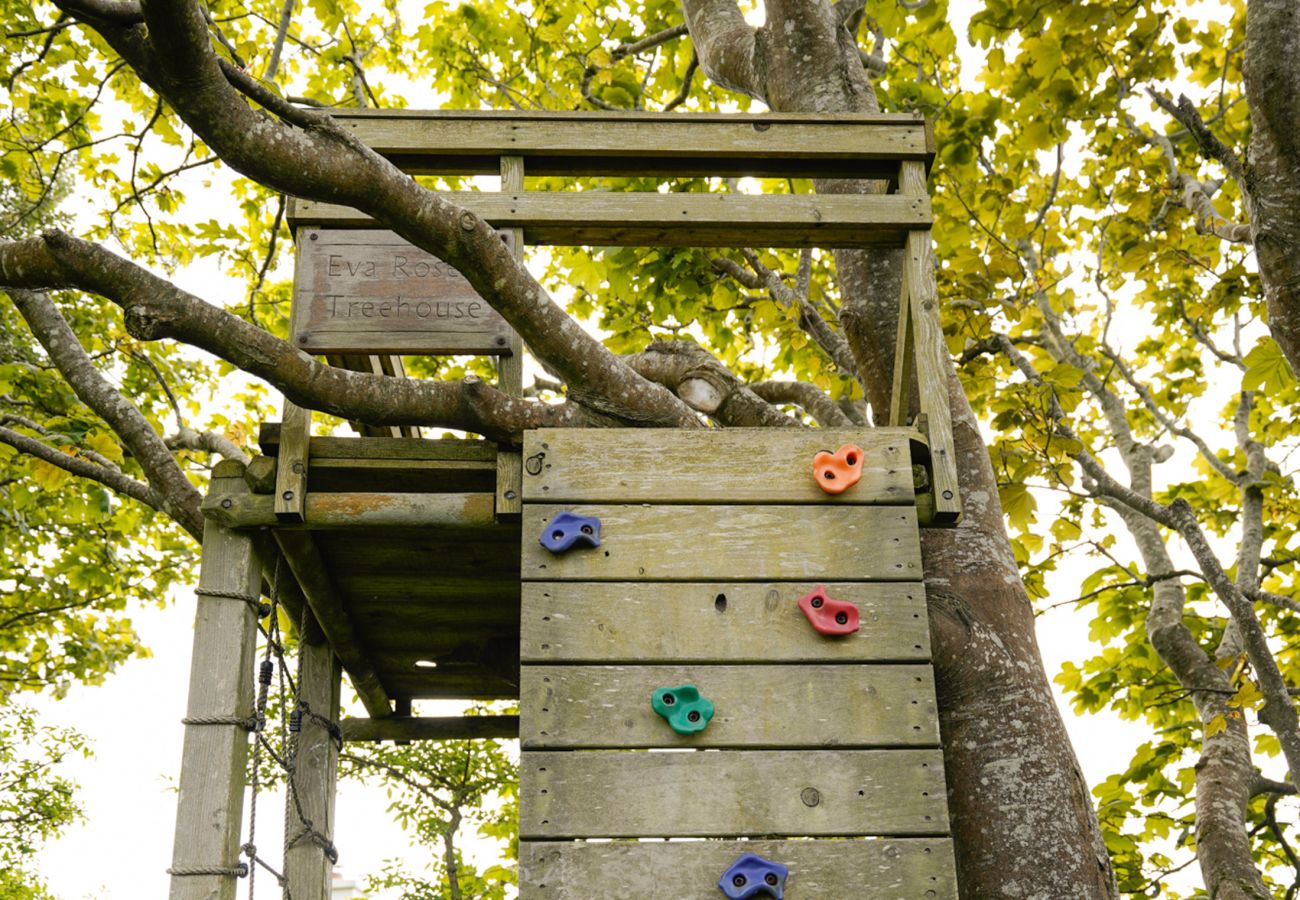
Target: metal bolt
{"points": [[738, 880], [297, 468], [693, 716], [467, 221], [510, 495], [842, 618], [227, 503], [810, 796], [502, 341], [288, 495], [771, 879], [669, 700], [817, 602], [947, 495], [313, 236]]}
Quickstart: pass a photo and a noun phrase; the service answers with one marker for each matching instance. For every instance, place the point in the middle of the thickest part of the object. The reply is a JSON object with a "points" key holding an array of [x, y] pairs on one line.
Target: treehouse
{"points": [[754, 596]]}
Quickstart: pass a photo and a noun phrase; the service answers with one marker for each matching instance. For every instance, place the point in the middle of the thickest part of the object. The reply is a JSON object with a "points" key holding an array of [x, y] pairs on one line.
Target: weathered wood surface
{"points": [[268, 438], [645, 219], [756, 707], [882, 869], [290, 496], [716, 622], [430, 728], [210, 801], [595, 143], [361, 291], [730, 465], [307, 868], [731, 543], [354, 510], [309, 569], [931, 348], [903, 387], [510, 369], [566, 794]]}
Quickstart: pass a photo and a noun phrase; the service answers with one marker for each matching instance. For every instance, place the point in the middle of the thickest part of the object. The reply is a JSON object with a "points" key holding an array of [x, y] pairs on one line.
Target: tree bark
{"points": [[1273, 96]]}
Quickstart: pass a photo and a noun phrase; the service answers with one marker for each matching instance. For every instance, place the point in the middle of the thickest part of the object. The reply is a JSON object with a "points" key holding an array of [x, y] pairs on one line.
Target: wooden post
{"points": [[900, 398], [209, 805], [307, 865], [930, 349], [510, 369], [291, 470]]}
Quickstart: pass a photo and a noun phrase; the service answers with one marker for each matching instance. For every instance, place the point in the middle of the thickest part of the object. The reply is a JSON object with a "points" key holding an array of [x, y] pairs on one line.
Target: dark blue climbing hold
{"points": [[686, 711], [568, 530], [753, 876]]}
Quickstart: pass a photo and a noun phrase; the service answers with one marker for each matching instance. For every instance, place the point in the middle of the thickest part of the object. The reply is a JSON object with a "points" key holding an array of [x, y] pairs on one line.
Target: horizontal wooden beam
{"points": [[355, 510], [604, 218], [430, 728], [268, 438], [671, 145], [308, 567]]}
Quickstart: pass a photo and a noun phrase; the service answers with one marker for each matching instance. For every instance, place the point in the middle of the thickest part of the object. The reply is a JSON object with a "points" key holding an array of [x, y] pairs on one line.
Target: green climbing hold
{"points": [[686, 711]]}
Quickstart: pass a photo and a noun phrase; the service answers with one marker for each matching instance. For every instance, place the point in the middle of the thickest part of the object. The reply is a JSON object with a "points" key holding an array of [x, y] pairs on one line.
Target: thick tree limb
{"points": [[1273, 95], [155, 308], [179, 498], [321, 161], [725, 45], [706, 385], [810, 398]]}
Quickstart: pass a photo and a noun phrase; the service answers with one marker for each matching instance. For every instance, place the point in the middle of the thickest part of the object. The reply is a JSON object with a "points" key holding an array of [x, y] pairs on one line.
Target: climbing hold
{"points": [[686, 711], [568, 530], [830, 617], [837, 472], [753, 876]]}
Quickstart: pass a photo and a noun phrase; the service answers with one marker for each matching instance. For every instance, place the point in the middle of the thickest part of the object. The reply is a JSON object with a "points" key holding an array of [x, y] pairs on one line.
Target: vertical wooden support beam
{"points": [[291, 470], [900, 397], [931, 351], [510, 369], [307, 866], [209, 804]]}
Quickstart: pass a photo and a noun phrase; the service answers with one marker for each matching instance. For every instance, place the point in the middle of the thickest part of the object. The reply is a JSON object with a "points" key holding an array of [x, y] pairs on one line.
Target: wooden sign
{"points": [[365, 291]]}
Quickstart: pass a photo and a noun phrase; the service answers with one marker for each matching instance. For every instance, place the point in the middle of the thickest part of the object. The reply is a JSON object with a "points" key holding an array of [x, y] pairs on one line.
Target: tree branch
{"points": [[179, 498], [812, 399]]}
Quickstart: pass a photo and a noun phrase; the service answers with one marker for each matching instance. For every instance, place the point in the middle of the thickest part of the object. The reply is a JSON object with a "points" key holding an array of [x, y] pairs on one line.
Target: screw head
{"points": [[227, 503], [771, 878], [818, 603], [287, 495], [669, 699], [739, 880]]}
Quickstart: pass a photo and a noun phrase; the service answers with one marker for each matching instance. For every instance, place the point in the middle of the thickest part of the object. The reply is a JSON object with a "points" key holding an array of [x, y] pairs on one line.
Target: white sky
{"points": [[122, 849]]}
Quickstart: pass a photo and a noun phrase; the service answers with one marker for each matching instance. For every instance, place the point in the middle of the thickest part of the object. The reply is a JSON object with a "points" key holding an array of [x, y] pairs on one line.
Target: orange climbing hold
{"points": [[837, 472]]}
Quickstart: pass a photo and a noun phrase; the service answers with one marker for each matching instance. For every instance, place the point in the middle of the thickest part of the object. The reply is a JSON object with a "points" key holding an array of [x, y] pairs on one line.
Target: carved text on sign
{"points": [[362, 291]]}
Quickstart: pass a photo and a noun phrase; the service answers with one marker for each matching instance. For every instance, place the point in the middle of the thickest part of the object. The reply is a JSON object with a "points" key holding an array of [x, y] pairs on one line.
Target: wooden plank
{"points": [[268, 438], [757, 623], [730, 465], [400, 476], [431, 728], [932, 361], [731, 543], [595, 143], [290, 498], [361, 291], [510, 369], [211, 796], [756, 707], [903, 390], [355, 510], [600, 218], [309, 569], [881, 869], [731, 794], [306, 866]]}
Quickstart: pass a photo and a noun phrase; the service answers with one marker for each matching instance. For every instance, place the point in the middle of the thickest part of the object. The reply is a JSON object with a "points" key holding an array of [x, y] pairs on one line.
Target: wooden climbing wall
{"points": [[707, 541]]}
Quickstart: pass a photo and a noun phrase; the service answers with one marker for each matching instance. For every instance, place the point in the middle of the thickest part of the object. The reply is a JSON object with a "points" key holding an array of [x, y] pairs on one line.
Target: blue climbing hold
{"points": [[753, 876], [686, 711], [568, 530]]}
